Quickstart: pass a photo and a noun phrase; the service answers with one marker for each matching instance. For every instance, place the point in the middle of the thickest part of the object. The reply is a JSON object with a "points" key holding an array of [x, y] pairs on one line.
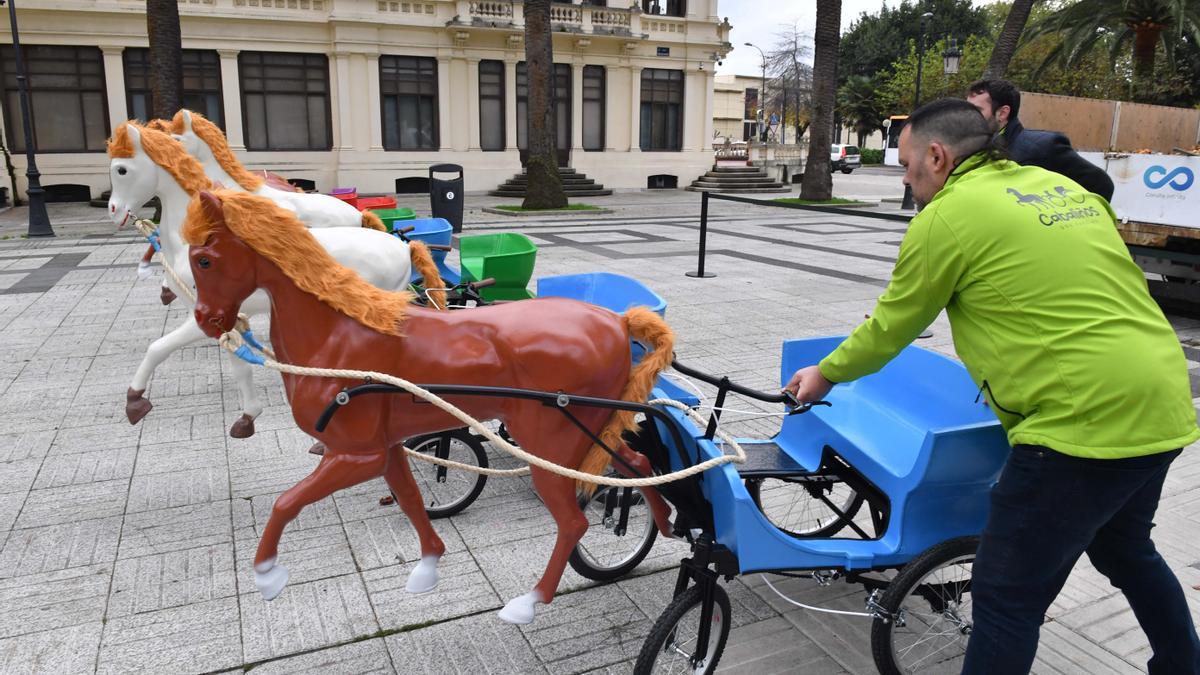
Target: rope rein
{"points": [[241, 342]]}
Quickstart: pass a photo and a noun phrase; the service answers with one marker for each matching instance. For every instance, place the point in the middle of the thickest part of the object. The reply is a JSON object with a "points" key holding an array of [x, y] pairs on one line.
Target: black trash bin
{"points": [[446, 195]]}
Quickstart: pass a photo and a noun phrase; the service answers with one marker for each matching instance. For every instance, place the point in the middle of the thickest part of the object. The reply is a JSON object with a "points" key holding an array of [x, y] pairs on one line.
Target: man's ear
{"points": [[940, 155]]}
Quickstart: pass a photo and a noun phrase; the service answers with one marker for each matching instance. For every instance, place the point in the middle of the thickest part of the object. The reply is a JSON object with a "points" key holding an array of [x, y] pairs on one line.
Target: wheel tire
{"points": [[826, 529], [959, 553], [584, 556], [665, 628], [847, 170], [466, 487]]}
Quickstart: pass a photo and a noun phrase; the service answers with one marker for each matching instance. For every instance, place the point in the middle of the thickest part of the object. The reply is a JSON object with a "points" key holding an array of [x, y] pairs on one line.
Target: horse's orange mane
{"points": [[211, 134], [163, 151], [277, 235]]}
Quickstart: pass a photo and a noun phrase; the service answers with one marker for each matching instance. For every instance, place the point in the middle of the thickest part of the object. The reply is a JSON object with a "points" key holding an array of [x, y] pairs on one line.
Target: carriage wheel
{"points": [[800, 508], [448, 491], [929, 605], [671, 645], [620, 532]]}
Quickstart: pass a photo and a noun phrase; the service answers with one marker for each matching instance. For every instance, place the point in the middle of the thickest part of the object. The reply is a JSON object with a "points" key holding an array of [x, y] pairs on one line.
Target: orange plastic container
{"points": [[365, 203]]}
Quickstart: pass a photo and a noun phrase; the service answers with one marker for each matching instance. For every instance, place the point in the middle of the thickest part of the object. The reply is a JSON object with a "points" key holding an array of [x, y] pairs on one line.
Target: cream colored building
{"points": [[362, 92], [735, 105]]}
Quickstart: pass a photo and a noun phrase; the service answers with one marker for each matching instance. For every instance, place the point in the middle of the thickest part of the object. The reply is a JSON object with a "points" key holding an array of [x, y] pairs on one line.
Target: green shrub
{"points": [[872, 156]]}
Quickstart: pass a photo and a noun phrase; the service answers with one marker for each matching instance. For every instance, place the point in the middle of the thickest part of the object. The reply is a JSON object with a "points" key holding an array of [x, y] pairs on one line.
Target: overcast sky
{"points": [[758, 21]]}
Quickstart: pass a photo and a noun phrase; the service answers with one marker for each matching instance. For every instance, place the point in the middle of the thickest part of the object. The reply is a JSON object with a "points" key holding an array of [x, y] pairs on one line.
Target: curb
{"points": [[546, 212]]}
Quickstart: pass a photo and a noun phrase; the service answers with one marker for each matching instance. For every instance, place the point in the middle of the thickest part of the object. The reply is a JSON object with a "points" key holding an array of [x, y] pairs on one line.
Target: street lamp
{"points": [[762, 96], [39, 220], [908, 196], [951, 58]]}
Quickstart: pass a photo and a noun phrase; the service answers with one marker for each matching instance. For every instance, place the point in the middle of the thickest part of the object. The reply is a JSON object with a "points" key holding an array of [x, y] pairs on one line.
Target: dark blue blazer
{"points": [[1052, 151]]}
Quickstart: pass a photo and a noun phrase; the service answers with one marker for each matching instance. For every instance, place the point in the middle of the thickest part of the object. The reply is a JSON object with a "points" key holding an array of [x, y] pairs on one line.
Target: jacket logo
{"points": [[1052, 205], [1179, 179]]}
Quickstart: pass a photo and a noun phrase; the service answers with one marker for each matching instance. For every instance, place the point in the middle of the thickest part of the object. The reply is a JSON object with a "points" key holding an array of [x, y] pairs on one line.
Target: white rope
{"points": [[810, 607], [146, 227]]}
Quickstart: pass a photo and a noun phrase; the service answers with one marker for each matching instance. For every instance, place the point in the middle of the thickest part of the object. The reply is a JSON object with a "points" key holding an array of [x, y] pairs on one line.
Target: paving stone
{"points": [[769, 646], [172, 579], [385, 541], [81, 468], [368, 656], [58, 547], [65, 651], [586, 629], [309, 554], [492, 647], [178, 488], [182, 455], [306, 616], [513, 569], [462, 590], [91, 437], [18, 475], [194, 638], [176, 529], [70, 503], [37, 602]]}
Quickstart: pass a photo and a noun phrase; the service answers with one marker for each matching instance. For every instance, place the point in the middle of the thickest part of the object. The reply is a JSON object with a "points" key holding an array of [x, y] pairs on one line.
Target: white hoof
{"points": [[520, 610], [144, 271], [424, 577], [270, 579]]}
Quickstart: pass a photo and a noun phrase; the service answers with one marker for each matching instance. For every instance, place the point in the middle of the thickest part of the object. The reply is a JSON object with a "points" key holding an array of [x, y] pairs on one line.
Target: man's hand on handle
{"points": [[808, 385]]}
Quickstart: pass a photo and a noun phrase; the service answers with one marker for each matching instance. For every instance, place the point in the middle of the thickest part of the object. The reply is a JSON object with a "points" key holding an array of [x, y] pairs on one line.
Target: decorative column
{"points": [[114, 82], [473, 103], [706, 140], [510, 104], [374, 102], [443, 74], [461, 88], [231, 97], [635, 109], [343, 122], [693, 124], [577, 107]]}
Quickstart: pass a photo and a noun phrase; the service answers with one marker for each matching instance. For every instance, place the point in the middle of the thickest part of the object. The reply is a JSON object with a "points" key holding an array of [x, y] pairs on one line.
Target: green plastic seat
{"points": [[507, 257], [390, 216]]}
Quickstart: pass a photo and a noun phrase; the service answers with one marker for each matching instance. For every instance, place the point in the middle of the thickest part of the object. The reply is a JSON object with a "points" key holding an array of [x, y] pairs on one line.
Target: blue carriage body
{"points": [[917, 430]]}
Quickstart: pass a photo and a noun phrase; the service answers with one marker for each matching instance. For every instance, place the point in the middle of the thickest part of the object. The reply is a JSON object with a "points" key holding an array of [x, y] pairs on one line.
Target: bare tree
{"points": [[166, 57], [544, 189], [818, 181], [793, 78], [1010, 36]]}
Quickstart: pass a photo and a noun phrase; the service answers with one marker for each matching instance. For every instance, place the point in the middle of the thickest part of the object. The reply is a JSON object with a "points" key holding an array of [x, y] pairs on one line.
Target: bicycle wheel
{"points": [[799, 508], [671, 645], [448, 491], [620, 532], [929, 603]]}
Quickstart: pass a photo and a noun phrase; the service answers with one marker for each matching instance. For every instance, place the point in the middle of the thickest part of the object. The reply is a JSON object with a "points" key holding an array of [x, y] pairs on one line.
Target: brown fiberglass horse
{"points": [[323, 315]]}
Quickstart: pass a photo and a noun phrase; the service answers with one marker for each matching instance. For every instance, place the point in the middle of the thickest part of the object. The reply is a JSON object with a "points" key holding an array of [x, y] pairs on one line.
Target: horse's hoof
{"points": [[520, 610], [136, 405], [243, 427], [424, 577], [144, 271], [270, 579], [317, 449], [167, 296]]}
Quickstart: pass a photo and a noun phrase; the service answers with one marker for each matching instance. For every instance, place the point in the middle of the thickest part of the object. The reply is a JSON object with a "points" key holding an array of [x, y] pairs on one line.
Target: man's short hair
{"points": [[954, 123], [1002, 92]]}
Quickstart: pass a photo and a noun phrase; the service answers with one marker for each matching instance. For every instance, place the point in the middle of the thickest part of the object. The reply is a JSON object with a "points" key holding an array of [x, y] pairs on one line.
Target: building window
{"points": [[67, 102], [491, 105], [201, 84], [561, 103], [593, 107], [408, 88], [665, 7], [662, 109], [285, 101]]}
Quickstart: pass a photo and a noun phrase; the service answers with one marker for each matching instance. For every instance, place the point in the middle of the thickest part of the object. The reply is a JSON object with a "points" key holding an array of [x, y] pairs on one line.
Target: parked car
{"points": [[844, 158]]}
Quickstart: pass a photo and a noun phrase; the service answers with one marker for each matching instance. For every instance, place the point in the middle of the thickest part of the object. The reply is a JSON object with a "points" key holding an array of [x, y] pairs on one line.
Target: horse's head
{"points": [[133, 173], [222, 264], [185, 133]]}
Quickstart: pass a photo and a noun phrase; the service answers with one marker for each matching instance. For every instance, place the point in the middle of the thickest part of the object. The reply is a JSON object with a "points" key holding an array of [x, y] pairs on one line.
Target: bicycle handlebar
{"points": [[724, 382]]}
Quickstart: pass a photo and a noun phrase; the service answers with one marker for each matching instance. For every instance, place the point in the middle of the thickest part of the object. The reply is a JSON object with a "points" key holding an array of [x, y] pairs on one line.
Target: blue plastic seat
{"points": [[606, 289], [436, 231]]}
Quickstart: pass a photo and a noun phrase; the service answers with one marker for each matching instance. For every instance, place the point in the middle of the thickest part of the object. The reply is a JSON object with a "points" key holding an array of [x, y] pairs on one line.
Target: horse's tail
{"points": [[648, 328], [369, 219], [422, 261]]}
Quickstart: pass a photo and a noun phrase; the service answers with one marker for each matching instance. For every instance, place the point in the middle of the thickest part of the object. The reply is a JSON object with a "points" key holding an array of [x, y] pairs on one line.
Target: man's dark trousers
{"points": [[1047, 510]]}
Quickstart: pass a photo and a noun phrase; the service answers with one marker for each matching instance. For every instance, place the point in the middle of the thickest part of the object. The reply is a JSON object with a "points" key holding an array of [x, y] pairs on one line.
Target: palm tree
{"points": [[166, 57], [1116, 23], [818, 182], [544, 189], [1010, 35], [858, 105]]}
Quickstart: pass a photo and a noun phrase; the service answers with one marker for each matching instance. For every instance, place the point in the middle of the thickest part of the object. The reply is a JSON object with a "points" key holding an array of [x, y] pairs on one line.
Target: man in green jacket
{"points": [[1054, 322]]}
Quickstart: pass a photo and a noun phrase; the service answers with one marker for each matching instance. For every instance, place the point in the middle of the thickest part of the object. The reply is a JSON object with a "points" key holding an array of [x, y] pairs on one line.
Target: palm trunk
{"points": [[818, 183], [1145, 41], [166, 57], [1010, 36], [544, 189]]}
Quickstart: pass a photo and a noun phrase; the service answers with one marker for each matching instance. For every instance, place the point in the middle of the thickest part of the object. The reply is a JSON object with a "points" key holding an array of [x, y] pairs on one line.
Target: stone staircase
{"points": [[736, 179], [574, 184]]}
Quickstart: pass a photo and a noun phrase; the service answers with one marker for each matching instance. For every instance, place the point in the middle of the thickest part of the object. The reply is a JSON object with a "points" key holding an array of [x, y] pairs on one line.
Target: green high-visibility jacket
{"points": [[1050, 315]]}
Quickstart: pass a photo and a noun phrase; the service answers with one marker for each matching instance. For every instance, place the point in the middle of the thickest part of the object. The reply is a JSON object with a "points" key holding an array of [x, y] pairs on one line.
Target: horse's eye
{"points": [[121, 171], [203, 263]]}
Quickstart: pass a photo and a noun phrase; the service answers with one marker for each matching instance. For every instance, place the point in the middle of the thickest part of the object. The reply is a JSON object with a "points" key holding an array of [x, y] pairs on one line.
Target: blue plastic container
{"points": [[612, 291], [432, 231]]}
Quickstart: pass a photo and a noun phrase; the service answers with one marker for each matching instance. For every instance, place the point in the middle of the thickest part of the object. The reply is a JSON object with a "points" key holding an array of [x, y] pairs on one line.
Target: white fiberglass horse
{"points": [[204, 140], [146, 162]]}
